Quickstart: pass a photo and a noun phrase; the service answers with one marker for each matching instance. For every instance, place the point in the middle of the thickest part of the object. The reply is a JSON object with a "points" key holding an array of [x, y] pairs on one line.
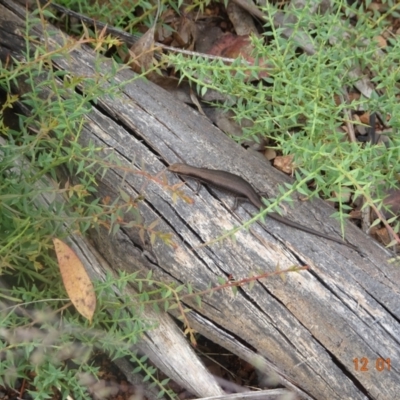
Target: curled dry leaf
{"points": [[284, 164], [76, 280], [185, 35], [142, 52]]}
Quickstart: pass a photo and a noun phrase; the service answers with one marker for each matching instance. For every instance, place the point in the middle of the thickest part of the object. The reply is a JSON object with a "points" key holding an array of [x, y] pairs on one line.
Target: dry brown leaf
{"points": [[76, 280], [233, 46], [382, 43], [186, 34], [142, 52], [284, 164], [196, 102], [364, 118], [380, 234]]}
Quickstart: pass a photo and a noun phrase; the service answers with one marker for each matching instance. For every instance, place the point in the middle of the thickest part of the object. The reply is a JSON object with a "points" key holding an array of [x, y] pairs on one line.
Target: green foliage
{"points": [[46, 140], [118, 14], [35, 337], [297, 110], [296, 106], [38, 334]]}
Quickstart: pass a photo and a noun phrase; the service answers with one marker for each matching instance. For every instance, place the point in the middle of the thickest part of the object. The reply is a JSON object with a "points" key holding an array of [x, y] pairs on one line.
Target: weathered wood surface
{"points": [[309, 327], [160, 343]]}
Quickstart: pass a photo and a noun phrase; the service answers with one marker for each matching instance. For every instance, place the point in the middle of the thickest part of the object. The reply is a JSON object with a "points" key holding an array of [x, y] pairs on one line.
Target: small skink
{"points": [[241, 188]]}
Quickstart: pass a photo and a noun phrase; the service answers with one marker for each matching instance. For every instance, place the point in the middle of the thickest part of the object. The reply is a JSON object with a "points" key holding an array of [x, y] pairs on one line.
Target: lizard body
{"points": [[240, 187]]}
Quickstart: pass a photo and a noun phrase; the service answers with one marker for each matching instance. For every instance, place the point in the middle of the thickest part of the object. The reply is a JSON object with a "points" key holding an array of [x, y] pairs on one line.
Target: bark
{"points": [[306, 329]]}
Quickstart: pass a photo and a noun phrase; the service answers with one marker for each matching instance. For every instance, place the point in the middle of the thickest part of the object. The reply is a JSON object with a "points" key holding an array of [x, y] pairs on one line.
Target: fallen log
{"points": [[315, 329]]}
